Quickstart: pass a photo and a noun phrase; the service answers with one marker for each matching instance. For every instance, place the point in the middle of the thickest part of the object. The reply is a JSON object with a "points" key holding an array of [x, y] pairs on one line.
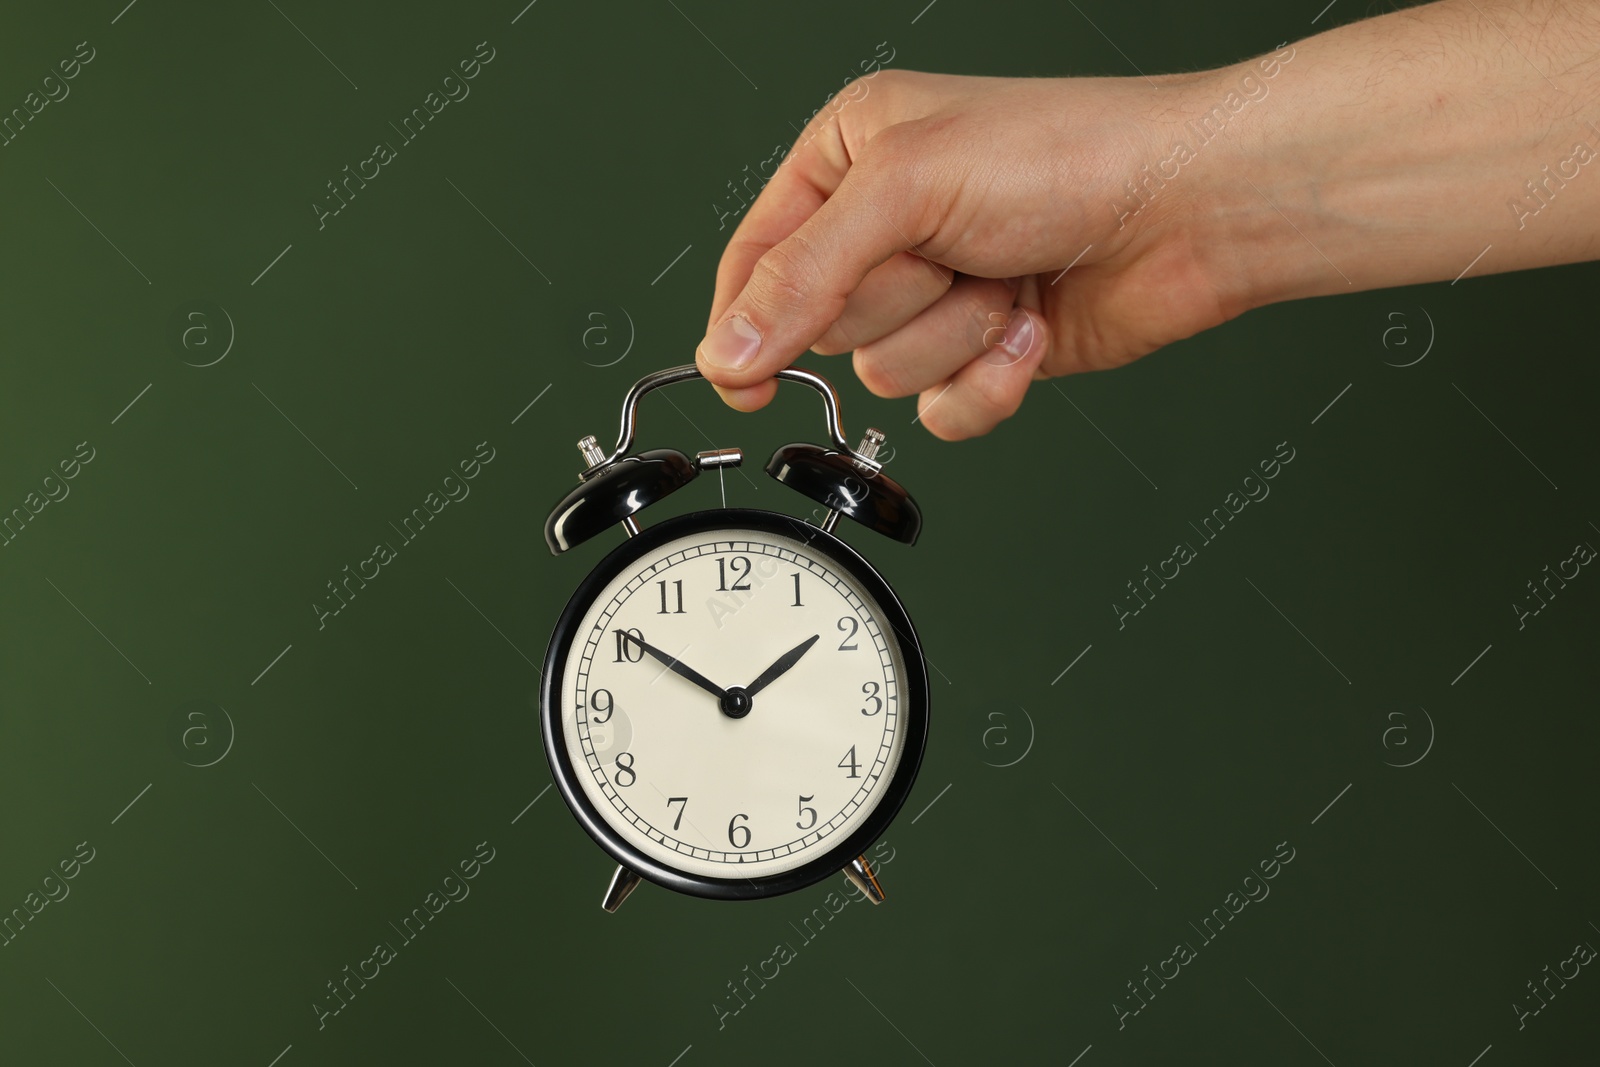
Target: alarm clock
{"points": [[734, 702]]}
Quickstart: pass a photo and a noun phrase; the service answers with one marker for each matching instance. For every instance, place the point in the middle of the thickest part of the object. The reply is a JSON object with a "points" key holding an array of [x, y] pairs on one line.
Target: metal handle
{"points": [[671, 375]]}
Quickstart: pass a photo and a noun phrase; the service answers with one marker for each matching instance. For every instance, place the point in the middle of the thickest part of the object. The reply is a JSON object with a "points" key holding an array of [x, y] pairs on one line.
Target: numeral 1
{"points": [[797, 603]]}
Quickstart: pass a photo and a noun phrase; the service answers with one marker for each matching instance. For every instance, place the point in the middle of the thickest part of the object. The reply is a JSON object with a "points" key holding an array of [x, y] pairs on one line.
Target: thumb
{"points": [[797, 288]]}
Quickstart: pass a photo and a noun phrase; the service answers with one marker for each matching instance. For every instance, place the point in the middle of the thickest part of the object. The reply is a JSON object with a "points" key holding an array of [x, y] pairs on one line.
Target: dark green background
{"points": [[404, 733]]}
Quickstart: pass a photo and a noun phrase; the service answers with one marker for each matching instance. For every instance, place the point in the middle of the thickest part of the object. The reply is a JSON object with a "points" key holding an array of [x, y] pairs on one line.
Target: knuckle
{"points": [[908, 172], [898, 91], [892, 77], [785, 277], [829, 344], [878, 374], [985, 327], [835, 341], [947, 424], [856, 88], [992, 392], [893, 146]]}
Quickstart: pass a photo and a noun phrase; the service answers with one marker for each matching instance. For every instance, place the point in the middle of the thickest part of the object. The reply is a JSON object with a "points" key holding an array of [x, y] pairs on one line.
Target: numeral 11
{"points": [[662, 585]]}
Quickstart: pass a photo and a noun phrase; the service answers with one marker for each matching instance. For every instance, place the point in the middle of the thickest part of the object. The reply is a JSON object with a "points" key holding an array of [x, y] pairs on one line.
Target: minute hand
{"points": [[785, 661], [677, 666]]}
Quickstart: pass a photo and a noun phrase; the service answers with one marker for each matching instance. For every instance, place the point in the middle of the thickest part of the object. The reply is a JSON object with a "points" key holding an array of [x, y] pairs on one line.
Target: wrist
{"points": [[1224, 130], [1379, 158], [1264, 191]]}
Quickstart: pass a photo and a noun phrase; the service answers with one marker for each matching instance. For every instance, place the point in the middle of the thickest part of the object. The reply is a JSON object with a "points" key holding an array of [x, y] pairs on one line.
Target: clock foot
{"points": [[861, 873], [623, 882]]}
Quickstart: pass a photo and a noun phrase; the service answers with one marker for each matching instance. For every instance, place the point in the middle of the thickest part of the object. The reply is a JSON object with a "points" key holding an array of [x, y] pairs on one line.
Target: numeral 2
{"points": [[848, 623]]}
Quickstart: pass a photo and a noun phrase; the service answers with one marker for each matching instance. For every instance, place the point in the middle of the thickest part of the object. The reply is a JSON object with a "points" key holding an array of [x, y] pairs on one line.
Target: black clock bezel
{"points": [[914, 710]]}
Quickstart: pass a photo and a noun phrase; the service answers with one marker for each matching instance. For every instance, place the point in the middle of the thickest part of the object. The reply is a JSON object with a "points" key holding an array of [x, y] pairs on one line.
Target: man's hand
{"points": [[928, 222], [923, 226]]}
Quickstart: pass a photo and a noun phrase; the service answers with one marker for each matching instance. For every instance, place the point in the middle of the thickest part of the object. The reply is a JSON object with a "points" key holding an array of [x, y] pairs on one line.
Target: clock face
{"points": [[735, 702]]}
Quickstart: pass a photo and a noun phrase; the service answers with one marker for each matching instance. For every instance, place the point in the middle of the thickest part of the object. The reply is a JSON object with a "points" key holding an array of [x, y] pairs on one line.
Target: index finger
{"points": [[805, 178], [822, 223]]}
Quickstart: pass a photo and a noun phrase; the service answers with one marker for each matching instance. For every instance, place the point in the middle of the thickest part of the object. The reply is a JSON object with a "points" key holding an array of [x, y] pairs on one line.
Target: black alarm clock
{"points": [[734, 701]]}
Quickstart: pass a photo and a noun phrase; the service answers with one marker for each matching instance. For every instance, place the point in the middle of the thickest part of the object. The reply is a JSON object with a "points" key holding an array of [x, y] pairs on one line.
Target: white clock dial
{"points": [[794, 764]]}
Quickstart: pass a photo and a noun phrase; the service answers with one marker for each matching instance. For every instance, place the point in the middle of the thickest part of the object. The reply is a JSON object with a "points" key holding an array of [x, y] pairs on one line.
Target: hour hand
{"points": [[676, 666], [785, 661]]}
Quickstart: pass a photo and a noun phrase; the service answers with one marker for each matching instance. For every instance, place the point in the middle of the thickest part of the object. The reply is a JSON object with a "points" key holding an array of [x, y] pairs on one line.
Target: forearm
{"points": [[1396, 150]]}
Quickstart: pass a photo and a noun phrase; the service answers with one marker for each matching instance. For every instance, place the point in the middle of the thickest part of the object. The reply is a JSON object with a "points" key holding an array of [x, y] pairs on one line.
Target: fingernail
{"points": [[732, 345], [1020, 334]]}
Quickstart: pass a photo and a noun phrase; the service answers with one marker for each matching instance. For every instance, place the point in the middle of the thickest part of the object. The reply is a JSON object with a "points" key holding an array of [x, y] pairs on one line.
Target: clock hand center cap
{"points": [[736, 703]]}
